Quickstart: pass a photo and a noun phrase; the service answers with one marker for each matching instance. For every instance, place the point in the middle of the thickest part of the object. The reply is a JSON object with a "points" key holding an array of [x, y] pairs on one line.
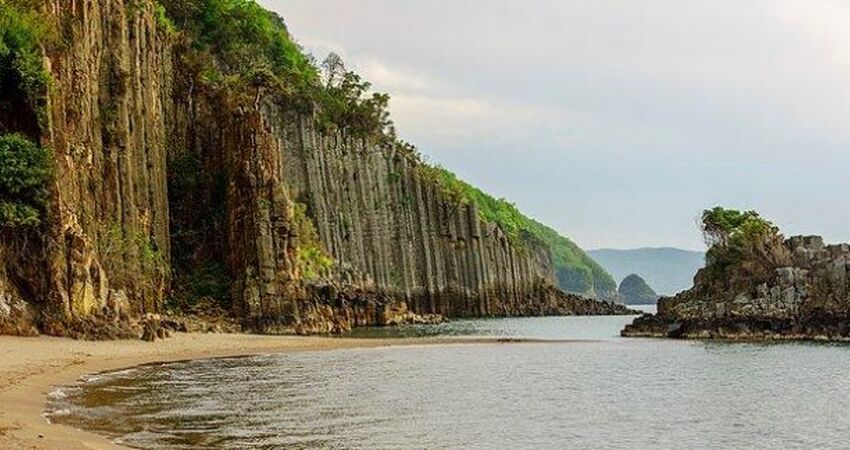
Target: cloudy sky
{"points": [[615, 122]]}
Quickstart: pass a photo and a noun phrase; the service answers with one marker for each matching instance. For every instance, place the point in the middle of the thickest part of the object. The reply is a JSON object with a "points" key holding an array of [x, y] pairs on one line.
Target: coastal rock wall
{"points": [[376, 212], [398, 241], [806, 300], [105, 244], [160, 173]]}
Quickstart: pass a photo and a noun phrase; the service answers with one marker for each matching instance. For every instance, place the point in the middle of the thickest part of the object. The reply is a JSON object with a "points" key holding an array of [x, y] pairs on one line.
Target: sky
{"points": [[616, 122]]}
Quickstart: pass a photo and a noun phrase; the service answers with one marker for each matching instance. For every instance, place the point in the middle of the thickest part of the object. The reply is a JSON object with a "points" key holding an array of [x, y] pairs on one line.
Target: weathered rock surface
{"points": [[103, 251], [125, 110], [808, 300]]}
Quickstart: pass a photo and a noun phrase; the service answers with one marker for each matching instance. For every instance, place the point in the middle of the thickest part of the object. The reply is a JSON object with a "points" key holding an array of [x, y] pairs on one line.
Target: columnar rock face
{"points": [[106, 244], [809, 299], [158, 174], [397, 239], [375, 212]]}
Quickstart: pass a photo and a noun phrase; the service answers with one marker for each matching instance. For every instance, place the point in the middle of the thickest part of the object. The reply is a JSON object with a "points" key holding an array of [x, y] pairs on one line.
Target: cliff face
{"points": [[397, 240], [106, 242], [374, 212], [157, 175], [807, 299]]}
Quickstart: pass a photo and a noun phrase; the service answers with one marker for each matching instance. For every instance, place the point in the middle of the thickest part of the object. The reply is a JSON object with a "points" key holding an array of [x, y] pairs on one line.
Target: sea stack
{"points": [[634, 290], [758, 285]]}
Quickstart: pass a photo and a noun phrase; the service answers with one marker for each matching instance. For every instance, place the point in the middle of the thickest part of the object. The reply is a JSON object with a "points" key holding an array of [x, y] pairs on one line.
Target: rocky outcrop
{"points": [[158, 174], [633, 290], [809, 299]]}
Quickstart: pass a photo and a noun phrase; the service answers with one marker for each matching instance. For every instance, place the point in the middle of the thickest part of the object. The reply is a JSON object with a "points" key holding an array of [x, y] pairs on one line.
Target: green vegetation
{"points": [[312, 260], [198, 211], [117, 243], [242, 35], [163, 20], [741, 242], [206, 280], [345, 100], [238, 44], [23, 78], [575, 271], [25, 170]]}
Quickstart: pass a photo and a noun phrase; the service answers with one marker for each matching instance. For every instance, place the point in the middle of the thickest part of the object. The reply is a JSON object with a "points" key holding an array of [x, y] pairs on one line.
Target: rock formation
{"points": [[633, 290], [162, 177], [808, 298]]}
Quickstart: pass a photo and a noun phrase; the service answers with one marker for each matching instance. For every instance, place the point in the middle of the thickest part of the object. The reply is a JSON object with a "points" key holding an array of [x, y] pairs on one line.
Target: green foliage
{"points": [[163, 20], [25, 171], [207, 280], [131, 258], [720, 225], [729, 231], [22, 73], [242, 35], [312, 260], [345, 101], [239, 44], [741, 240], [117, 243], [575, 271], [198, 212]]}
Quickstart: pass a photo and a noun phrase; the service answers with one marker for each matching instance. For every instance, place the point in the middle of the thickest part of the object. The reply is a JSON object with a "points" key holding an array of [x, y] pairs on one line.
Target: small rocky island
{"points": [[757, 285], [634, 290]]}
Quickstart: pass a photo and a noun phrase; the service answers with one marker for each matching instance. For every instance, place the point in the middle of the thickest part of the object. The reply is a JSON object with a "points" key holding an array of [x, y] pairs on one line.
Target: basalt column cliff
{"points": [[170, 176]]}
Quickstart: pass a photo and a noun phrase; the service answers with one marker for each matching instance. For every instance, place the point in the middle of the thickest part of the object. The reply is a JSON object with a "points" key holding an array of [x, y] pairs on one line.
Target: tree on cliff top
{"points": [[346, 100], [742, 243], [238, 42]]}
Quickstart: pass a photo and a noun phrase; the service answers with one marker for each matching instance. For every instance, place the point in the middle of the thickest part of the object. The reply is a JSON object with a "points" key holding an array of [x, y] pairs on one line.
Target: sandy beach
{"points": [[30, 367]]}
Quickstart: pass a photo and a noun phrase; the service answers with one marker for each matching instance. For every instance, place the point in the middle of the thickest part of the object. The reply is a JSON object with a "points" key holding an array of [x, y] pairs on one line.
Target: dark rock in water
{"points": [[633, 290]]}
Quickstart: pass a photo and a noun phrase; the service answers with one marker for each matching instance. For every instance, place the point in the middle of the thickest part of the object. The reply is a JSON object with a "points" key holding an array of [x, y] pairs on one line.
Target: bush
{"points": [[237, 41], [741, 242], [242, 35], [22, 73], [25, 170], [312, 260], [346, 102]]}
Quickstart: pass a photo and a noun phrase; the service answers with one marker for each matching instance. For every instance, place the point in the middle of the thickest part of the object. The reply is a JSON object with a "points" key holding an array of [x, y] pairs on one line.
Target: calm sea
{"points": [[603, 392]]}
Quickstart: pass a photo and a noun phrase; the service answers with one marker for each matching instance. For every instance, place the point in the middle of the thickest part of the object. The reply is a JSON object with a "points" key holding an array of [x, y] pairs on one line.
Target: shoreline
{"points": [[30, 367]]}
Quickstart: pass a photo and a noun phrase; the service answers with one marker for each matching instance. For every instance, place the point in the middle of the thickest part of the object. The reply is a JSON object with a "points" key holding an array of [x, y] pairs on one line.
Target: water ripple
{"points": [[603, 394]]}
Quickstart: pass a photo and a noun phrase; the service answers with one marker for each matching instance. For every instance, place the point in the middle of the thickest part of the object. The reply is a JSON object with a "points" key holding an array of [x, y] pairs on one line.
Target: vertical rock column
{"points": [[261, 241], [108, 244]]}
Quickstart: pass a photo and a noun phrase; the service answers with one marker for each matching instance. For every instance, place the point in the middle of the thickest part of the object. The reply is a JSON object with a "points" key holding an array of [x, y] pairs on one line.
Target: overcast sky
{"points": [[615, 122]]}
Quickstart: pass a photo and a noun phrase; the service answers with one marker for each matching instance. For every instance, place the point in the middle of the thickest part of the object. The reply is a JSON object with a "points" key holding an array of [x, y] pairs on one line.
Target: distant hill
{"points": [[667, 270]]}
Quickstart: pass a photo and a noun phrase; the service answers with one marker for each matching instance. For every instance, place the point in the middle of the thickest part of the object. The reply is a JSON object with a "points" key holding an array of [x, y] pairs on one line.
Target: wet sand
{"points": [[30, 367]]}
